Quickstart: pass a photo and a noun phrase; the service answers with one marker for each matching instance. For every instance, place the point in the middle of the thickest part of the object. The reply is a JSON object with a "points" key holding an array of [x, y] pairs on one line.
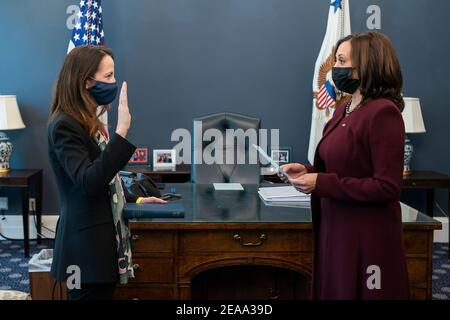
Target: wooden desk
{"points": [[182, 173], [232, 246], [428, 181], [26, 179], [425, 180]]}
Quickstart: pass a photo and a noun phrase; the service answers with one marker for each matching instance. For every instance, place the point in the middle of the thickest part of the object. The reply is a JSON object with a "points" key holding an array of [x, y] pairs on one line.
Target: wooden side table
{"points": [[429, 181], [25, 180]]}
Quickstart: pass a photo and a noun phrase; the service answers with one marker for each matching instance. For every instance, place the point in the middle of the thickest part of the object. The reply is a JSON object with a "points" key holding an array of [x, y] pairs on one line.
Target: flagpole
{"points": [[88, 21]]}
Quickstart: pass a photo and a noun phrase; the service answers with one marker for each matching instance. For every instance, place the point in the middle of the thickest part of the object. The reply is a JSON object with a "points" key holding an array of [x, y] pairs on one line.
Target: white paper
{"points": [[283, 194], [228, 187], [288, 204]]}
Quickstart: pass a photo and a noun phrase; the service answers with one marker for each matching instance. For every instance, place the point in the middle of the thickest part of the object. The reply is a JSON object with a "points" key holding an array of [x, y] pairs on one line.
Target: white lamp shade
{"points": [[412, 116], [10, 118]]}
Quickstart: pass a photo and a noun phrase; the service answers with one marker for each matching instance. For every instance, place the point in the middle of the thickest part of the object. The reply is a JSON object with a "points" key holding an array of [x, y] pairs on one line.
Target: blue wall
{"points": [[186, 58]]}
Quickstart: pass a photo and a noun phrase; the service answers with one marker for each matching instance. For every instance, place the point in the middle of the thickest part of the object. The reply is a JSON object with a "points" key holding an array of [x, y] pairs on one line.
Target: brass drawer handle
{"points": [[136, 266], [135, 237], [239, 239]]}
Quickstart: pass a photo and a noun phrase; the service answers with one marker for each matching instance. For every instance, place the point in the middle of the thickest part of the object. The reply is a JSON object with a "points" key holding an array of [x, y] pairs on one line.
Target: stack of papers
{"points": [[228, 187], [283, 194]]}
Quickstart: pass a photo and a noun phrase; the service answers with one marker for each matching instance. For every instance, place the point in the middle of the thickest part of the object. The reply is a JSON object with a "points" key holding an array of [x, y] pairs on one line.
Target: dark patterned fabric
{"points": [[123, 234]]}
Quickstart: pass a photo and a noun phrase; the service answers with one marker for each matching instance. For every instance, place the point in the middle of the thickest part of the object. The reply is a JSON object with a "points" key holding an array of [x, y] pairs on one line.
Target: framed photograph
{"points": [[282, 155], [140, 156], [164, 159]]}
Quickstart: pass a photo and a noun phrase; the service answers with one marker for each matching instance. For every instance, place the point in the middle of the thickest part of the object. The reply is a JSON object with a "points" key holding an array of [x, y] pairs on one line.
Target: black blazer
{"points": [[85, 234]]}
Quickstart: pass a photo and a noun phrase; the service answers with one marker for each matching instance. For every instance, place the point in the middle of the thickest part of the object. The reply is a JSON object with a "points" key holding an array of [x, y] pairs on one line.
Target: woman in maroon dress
{"points": [[357, 177]]}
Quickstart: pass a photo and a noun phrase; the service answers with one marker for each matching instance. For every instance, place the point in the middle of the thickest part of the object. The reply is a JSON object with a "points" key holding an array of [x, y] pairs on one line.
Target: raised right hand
{"points": [[294, 170], [123, 113]]}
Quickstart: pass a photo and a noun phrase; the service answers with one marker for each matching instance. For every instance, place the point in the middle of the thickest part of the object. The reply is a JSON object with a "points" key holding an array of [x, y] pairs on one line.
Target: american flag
{"points": [[326, 97], [88, 29]]}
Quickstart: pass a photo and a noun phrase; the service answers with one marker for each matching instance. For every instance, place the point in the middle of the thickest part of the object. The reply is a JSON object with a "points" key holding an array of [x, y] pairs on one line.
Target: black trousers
{"points": [[93, 291]]}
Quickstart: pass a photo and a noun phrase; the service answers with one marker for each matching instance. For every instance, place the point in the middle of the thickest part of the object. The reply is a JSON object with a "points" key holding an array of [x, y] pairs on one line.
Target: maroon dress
{"points": [[355, 206]]}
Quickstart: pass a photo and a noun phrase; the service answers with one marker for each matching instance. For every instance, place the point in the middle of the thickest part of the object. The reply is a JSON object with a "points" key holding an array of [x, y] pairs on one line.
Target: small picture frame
{"points": [[282, 155], [140, 156], [164, 159]]}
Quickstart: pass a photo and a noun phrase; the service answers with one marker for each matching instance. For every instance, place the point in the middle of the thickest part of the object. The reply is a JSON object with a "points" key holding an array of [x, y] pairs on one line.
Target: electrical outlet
{"points": [[3, 203], [32, 204]]}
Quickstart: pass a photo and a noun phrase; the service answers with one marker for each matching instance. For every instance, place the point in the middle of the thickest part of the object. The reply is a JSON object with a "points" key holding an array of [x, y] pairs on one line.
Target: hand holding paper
{"points": [[293, 170], [270, 160], [305, 183]]}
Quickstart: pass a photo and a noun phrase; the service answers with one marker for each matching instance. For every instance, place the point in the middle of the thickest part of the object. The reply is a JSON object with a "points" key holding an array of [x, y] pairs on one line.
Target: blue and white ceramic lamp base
{"points": [[6, 149]]}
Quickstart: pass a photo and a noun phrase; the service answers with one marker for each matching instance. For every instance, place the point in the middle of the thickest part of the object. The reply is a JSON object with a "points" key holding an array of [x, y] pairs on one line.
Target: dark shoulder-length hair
{"points": [[71, 95], [375, 61]]}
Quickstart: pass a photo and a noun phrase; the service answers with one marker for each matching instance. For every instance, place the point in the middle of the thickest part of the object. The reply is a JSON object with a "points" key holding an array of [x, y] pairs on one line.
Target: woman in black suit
{"points": [[86, 161]]}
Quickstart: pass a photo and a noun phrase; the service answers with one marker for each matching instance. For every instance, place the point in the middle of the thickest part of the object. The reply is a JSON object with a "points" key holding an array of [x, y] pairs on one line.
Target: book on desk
{"points": [[153, 211]]}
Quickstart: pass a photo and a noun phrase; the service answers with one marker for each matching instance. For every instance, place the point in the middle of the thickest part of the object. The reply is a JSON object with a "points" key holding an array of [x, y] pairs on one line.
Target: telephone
{"points": [[171, 196], [139, 185]]}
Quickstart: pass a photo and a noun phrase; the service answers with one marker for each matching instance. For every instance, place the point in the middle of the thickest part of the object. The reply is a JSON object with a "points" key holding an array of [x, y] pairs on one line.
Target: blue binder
{"points": [[150, 211]]}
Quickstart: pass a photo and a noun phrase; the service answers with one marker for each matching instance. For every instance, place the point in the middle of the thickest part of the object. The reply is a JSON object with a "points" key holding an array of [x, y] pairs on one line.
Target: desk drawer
{"points": [[153, 270], [416, 242], [246, 240], [417, 270], [152, 241], [418, 294]]}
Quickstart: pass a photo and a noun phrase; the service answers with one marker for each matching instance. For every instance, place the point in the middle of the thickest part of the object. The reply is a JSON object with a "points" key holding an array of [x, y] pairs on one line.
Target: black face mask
{"points": [[104, 93], [342, 78]]}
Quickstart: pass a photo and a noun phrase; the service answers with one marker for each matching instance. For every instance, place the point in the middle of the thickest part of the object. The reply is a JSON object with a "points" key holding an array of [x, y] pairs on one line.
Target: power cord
{"points": [[35, 224], [8, 238], [1, 234], [441, 210], [33, 211], [53, 290]]}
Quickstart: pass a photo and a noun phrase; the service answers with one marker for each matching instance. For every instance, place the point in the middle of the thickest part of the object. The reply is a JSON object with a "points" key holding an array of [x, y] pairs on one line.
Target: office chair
{"points": [[225, 173]]}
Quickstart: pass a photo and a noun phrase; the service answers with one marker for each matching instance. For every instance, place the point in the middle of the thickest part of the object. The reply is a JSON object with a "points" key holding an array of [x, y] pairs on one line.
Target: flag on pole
{"points": [[325, 97], [88, 30]]}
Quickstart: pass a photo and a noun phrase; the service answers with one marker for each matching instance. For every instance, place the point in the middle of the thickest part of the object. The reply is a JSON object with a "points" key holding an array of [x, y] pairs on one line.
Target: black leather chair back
{"points": [[246, 173]]}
